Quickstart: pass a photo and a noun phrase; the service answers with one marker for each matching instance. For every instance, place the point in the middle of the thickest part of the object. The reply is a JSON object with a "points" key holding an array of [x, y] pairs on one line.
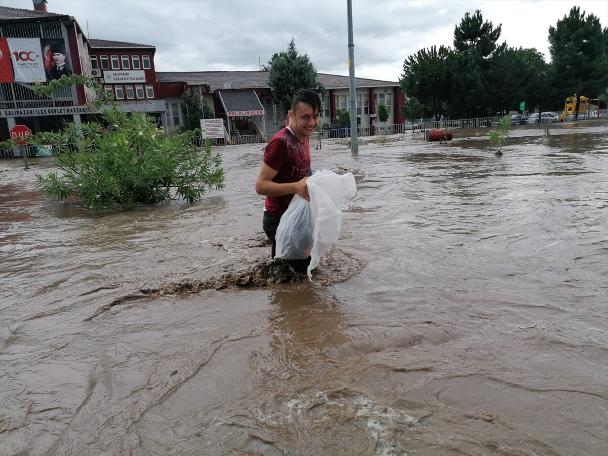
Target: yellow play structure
{"points": [[570, 107]]}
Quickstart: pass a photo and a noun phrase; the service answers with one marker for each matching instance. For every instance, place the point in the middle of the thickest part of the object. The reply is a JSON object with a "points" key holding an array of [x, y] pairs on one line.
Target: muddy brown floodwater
{"points": [[463, 311]]}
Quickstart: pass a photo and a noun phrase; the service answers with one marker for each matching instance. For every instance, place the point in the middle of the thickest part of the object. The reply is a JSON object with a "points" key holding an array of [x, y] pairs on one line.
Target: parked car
{"points": [[549, 116], [545, 117], [518, 119]]}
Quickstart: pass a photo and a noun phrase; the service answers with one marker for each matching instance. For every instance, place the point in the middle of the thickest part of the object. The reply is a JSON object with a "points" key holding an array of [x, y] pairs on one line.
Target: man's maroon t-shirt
{"points": [[291, 160]]}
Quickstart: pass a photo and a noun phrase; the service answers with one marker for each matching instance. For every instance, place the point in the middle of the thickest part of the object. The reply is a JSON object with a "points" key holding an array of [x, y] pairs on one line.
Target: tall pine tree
{"points": [[290, 72], [475, 43]]}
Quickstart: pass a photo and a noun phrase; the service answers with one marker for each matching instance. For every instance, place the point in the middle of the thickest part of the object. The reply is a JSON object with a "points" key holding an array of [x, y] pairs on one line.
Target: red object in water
{"points": [[438, 134]]}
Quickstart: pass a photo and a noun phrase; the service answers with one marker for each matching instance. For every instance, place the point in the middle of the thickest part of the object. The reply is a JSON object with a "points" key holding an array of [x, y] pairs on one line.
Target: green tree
{"points": [[578, 51], [604, 68], [536, 72], [289, 72], [206, 111], [192, 110], [343, 118], [475, 35], [426, 77], [413, 109], [468, 94], [475, 43], [516, 75], [382, 113]]}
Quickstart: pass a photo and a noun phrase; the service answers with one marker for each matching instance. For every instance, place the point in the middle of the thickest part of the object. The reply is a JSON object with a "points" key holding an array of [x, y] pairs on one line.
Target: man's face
{"points": [[303, 120], [58, 58]]}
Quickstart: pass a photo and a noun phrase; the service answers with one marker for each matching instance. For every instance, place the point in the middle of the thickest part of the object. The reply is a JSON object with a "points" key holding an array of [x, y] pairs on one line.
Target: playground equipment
{"points": [[570, 108]]}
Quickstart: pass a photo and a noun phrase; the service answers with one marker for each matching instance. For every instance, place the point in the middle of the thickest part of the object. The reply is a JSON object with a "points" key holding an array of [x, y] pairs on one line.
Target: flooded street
{"points": [[463, 311]]}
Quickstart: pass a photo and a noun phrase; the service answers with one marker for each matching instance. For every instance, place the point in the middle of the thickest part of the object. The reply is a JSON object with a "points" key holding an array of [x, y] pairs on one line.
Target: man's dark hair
{"points": [[310, 97]]}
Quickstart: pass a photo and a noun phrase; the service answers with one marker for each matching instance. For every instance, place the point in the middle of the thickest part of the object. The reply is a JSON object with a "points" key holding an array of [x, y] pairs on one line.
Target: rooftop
{"points": [[7, 13], [104, 44], [218, 80]]}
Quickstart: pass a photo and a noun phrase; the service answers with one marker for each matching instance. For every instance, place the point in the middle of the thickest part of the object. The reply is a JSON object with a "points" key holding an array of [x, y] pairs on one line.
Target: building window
{"points": [[105, 62], [362, 104], [94, 64], [386, 100], [139, 92], [136, 62], [109, 92], [342, 102], [325, 107], [120, 93], [149, 91], [115, 62], [145, 60], [383, 98], [126, 62], [175, 114], [129, 90]]}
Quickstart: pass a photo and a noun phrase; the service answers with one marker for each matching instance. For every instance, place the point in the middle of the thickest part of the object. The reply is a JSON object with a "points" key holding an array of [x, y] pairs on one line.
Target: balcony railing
{"points": [[14, 95]]}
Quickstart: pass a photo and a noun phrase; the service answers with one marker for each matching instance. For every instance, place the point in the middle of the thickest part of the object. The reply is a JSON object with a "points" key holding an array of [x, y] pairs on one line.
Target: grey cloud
{"points": [[241, 34]]}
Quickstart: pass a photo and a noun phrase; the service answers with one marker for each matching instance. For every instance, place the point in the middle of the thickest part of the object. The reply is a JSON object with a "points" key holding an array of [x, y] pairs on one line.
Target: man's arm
{"points": [[265, 186]]}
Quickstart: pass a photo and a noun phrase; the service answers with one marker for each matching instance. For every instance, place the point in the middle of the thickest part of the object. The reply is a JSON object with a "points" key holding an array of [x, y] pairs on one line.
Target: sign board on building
{"points": [[121, 77], [27, 59], [33, 112], [20, 134], [213, 128], [256, 112]]}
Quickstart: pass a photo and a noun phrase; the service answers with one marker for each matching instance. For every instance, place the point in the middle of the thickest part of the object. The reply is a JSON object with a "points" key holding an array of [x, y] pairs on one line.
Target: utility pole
{"points": [[354, 137]]}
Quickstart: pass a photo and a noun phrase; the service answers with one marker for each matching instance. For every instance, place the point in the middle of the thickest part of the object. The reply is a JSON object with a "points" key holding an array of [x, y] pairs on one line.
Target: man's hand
{"points": [[300, 188]]}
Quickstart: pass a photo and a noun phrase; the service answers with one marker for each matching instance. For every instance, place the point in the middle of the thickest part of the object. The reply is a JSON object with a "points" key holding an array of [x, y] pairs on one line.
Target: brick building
{"points": [[32, 43], [28, 41], [249, 91], [127, 73]]}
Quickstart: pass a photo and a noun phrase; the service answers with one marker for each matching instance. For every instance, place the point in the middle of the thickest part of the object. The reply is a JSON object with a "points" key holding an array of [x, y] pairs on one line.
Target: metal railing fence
{"points": [[419, 125]]}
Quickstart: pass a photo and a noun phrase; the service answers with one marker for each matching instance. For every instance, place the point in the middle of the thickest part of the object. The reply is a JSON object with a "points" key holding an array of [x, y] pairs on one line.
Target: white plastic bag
{"points": [[294, 233], [328, 192], [310, 228]]}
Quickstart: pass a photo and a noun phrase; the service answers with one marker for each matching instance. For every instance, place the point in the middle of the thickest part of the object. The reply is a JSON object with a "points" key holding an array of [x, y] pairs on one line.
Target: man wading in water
{"points": [[286, 165]]}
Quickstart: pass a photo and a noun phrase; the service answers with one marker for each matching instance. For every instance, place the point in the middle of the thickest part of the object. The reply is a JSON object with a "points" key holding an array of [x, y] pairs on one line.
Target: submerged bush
{"points": [[499, 134], [131, 161]]}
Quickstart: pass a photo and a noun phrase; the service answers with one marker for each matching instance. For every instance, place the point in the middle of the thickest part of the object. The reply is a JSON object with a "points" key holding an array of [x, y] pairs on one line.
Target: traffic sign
{"points": [[522, 106], [20, 134]]}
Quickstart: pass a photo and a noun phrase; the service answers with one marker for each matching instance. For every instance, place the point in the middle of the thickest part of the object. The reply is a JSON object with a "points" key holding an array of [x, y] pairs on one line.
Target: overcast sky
{"points": [[199, 35]]}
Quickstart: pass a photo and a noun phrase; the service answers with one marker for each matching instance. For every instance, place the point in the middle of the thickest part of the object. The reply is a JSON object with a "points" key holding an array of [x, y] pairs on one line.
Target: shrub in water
{"points": [[499, 134], [130, 162]]}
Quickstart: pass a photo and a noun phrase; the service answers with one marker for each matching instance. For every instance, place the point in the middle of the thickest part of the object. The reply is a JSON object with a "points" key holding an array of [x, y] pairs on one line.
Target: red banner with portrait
{"points": [[6, 68]]}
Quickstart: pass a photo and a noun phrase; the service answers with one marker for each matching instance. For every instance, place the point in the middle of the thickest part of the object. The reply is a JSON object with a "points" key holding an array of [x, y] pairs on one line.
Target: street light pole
{"points": [[354, 137]]}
